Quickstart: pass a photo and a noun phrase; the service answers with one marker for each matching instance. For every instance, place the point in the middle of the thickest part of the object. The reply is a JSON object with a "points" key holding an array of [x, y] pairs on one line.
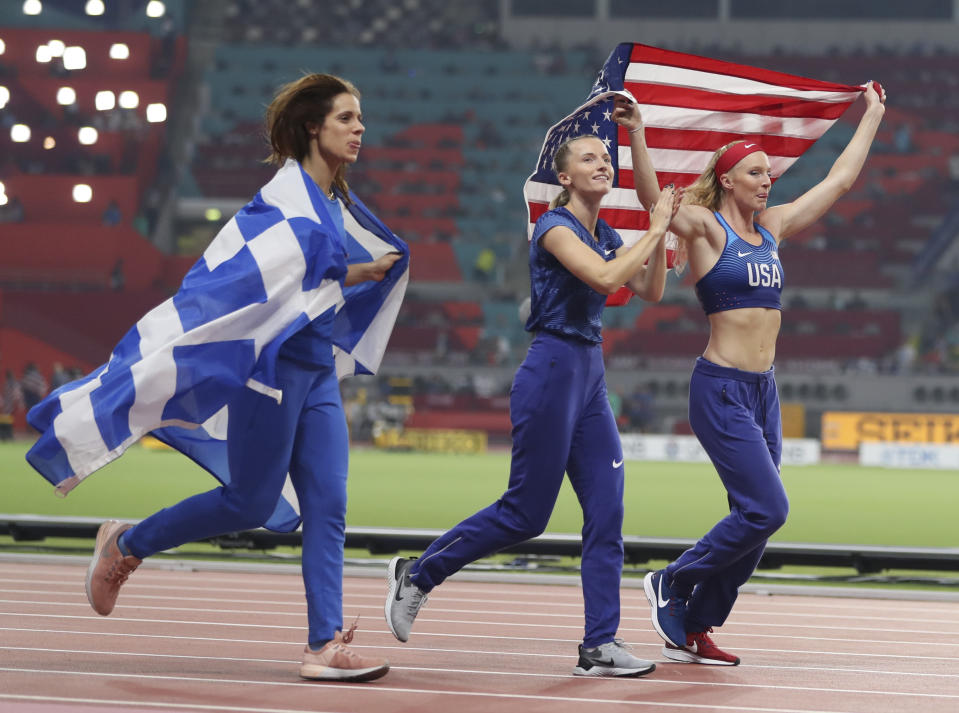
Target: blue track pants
{"points": [[305, 435], [562, 422], [735, 414]]}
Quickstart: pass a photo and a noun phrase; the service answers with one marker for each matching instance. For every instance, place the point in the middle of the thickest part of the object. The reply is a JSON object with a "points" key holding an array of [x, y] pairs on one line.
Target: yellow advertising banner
{"points": [[843, 430]]}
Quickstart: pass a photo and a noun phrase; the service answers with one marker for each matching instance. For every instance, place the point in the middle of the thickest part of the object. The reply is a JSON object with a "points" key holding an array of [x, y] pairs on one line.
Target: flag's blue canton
{"points": [[595, 117], [613, 72]]}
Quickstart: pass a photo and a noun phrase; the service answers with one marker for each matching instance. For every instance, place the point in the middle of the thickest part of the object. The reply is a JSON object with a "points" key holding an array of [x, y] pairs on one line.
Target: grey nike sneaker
{"points": [[612, 659], [403, 599]]}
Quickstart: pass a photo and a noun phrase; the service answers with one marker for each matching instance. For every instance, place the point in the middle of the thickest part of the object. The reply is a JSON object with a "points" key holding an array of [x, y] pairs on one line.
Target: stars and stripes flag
{"points": [[272, 269], [691, 106]]}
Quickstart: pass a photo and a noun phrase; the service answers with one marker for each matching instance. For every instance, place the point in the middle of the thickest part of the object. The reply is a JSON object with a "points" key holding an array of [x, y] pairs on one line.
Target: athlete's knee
{"points": [[771, 513], [247, 513]]}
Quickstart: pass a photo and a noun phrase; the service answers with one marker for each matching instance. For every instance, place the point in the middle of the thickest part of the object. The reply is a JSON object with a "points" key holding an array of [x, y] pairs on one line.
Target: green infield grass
{"points": [[844, 504]]}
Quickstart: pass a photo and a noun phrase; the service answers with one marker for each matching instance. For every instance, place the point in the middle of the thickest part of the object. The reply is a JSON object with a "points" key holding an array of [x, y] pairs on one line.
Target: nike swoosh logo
{"points": [[617, 463], [608, 662], [607, 251], [748, 146], [744, 254], [659, 595], [694, 648]]}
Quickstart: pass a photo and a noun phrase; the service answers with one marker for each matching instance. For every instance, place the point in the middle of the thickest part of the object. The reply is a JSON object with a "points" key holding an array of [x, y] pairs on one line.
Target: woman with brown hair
{"points": [[287, 416]]}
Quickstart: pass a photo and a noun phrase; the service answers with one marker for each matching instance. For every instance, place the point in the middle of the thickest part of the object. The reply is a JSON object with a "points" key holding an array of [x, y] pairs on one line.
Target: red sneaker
{"points": [[700, 648]]}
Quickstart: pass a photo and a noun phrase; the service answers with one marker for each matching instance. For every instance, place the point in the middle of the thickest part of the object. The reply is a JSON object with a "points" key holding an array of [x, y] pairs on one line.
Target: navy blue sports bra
{"points": [[745, 275]]}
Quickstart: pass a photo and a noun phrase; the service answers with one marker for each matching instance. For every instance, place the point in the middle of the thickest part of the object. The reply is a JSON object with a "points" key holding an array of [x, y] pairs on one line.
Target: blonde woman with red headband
{"points": [[732, 243]]}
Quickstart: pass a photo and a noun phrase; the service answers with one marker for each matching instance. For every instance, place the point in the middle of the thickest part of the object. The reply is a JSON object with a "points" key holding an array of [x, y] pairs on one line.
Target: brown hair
{"points": [[304, 101], [560, 161], [706, 190]]}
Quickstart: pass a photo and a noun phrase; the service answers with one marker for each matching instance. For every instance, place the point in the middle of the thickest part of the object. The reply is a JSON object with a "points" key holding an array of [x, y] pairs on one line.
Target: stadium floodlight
{"points": [[129, 99], [87, 135], [74, 58], [156, 113], [57, 48], [119, 50], [155, 8], [94, 7], [212, 214], [3, 188], [32, 7], [3, 46], [4, 96], [49, 143], [66, 96], [20, 133], [105, 100], [43, 54], [82, 193], [3, 199]]}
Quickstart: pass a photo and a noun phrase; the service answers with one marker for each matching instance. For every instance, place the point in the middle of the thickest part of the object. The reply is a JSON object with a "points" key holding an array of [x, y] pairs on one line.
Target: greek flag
{"points": [[272, 269]]}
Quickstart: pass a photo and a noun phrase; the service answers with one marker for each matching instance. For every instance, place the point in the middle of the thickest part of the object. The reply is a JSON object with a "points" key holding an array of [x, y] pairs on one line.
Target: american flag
{"points": [[691, 106], [269, 271]]}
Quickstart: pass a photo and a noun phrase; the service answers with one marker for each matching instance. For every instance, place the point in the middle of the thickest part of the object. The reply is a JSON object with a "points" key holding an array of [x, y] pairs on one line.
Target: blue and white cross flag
{"points": [[273, 268]]}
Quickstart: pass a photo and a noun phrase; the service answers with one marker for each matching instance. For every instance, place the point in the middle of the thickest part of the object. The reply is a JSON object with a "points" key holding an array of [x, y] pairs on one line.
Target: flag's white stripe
{"points": [[697, 79], [370, 348], [227, 244], [681, 161], [375, 246], [670, 117], [288, 192], [154, 376], [631, 237]]}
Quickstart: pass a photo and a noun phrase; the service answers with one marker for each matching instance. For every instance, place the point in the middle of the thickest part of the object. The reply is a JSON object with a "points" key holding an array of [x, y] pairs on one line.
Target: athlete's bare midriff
{"points": [[744, 338]]}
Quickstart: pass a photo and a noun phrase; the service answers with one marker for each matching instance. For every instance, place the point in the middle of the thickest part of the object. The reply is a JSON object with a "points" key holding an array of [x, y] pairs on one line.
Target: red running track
{"points": [[202, 642]]}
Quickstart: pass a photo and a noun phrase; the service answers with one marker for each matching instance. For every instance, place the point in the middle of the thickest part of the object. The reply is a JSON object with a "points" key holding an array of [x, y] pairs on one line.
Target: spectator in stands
{"points": [[732, 242], [316, 122], [562, 420], [12, 397], [59, 377], [34, 386]]}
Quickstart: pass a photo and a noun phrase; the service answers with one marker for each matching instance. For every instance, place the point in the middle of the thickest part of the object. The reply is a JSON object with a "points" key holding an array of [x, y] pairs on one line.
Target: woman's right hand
{"points": [[664, 210], [626, 113]]}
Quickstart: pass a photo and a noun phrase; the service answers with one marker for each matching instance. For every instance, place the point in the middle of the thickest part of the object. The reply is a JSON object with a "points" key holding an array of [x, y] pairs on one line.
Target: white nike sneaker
{"points": [[611, 659], [403, 598]]}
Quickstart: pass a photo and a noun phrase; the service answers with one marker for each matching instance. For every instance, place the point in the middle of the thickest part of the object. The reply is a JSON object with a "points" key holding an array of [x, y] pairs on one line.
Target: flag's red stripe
{"points": [[655, 55], [691, 140], [692, 98]]}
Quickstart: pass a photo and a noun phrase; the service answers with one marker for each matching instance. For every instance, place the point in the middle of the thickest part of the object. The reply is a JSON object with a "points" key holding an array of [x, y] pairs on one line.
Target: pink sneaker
{"points": [[109, 569], [337, 662], [700, 648]]}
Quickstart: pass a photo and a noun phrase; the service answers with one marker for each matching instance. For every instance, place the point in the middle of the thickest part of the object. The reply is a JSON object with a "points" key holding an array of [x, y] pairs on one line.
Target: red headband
{"points": [[734, 154]]}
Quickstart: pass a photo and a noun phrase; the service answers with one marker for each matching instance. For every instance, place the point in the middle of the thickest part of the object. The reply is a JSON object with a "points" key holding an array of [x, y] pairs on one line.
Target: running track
{"points": [[191, 641]]}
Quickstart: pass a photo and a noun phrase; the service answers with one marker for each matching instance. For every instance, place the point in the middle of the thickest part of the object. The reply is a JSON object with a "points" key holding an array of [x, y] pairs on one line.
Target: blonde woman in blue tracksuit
{"points": [[562, 421], [732, 241]]}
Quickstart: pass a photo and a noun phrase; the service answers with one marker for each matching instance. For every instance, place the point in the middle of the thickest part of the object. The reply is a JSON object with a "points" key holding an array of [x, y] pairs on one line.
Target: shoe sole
{"points": [[392, 583], [604, 672], [103, 537], [325, 673], [684, 656], [654, 608]]}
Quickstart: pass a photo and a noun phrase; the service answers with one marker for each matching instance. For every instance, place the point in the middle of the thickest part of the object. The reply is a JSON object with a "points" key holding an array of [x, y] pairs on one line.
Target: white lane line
{"points": [[382, 689], [429, 618], [558, 699], [240, 625], [577, 607], [88, 652]]}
